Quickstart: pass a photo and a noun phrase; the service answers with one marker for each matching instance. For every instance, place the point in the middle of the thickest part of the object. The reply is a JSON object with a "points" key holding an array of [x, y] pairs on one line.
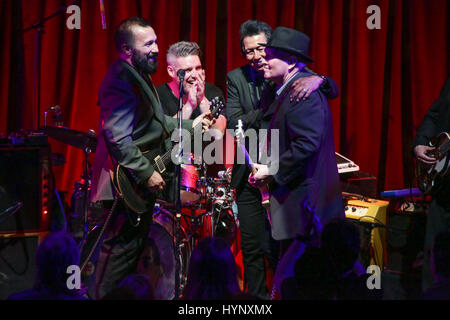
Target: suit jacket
{"points": [[437, 120], [131, 121], [244, 92], [307, 179]]}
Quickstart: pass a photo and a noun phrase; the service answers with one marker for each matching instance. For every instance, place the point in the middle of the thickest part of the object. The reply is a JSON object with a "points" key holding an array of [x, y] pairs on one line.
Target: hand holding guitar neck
{"points": [[263, 189]]}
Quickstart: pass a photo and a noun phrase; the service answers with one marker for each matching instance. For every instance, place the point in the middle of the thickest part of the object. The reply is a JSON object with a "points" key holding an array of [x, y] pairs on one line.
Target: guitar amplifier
{"points": [[18, 266], [26, 188], [370, 216]]}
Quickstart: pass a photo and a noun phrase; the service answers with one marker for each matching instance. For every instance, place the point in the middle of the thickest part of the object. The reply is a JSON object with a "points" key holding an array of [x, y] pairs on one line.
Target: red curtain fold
{"points": [[412, 53]]}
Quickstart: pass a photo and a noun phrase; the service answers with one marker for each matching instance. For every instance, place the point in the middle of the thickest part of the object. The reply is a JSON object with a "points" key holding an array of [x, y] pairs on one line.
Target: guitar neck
{"points": [[166, 157], [216, 110], [248, 160]]}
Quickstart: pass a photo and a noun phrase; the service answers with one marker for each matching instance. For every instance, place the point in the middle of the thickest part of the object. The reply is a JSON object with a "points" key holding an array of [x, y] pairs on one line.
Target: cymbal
{"points": [[75, 138]]}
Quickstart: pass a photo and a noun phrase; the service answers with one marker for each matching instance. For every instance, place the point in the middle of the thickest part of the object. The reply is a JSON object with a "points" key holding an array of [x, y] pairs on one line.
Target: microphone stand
{"points": [[181, 74], [39, 26]]}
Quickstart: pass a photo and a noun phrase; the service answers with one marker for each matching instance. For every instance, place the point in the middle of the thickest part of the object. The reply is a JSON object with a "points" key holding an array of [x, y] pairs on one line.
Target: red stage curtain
{"points": [[387, 78]]}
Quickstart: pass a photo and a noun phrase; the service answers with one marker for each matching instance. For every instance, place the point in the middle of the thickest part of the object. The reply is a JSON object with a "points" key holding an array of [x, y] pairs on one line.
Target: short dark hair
{"points": [[124, 32], [211, 272], [441, 253], [252, 28], [54, 255]]}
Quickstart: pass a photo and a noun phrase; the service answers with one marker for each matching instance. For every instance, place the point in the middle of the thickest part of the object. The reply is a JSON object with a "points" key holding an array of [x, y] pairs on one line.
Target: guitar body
{"points": [[136, 197], [429, 174]]}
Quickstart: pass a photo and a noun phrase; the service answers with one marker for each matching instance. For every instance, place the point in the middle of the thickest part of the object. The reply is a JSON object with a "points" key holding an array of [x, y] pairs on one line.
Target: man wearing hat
{"points": [[304, 181], [245, 86]]}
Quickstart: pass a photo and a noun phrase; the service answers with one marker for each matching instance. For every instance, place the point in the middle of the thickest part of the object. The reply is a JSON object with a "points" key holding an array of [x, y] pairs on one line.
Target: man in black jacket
{"points": [[198, 93], [436, 121], [131, 122], [245, 88]]}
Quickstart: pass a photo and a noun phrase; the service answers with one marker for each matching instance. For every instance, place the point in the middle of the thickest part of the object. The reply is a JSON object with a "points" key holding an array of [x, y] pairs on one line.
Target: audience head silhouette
{"points": [[54, 255], [212, 271]]}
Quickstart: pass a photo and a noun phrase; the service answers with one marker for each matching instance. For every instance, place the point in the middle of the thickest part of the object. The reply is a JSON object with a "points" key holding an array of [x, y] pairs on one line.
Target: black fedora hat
{"points": [[290, 40]]}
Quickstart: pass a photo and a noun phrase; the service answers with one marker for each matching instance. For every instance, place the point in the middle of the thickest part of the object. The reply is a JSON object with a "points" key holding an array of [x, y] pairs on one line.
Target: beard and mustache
{"points": [[145, 63]]}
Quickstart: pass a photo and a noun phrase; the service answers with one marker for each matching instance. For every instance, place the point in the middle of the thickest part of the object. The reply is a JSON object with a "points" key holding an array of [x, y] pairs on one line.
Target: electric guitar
{"points": [[427, 174], [139, 198], [264, 190]]}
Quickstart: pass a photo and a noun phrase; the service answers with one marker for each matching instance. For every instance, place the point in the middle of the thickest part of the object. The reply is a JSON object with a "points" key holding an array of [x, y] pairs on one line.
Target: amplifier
{"points": [[26, 183], [370, 216], [17, 263]]}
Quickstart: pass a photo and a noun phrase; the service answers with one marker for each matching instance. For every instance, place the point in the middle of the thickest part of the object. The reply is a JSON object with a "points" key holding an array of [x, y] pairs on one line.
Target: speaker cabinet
{"points": [[25, 177], [17, 262]]}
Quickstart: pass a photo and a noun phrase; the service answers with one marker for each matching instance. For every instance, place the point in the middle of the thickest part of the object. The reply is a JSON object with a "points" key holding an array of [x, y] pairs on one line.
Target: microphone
{"points": [[102, 14], [57, 117], [56, 108], [181, 73]]}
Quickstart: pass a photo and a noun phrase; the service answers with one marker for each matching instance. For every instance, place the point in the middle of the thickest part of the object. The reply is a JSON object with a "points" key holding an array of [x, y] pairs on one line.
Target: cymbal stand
{"points": [[86, 187]]}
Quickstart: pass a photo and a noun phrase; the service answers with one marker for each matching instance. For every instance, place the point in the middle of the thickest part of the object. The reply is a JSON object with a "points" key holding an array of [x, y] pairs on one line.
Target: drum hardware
{"points": [[87, 142], [75, 138], [207, 210]]}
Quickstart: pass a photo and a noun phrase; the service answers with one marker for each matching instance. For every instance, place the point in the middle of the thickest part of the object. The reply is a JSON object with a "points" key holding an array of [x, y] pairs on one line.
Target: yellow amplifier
{"points": [[371, 212]]}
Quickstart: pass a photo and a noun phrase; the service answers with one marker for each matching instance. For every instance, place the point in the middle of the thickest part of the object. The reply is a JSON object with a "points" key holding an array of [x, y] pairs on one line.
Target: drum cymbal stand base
{"points": [[86, 188]]}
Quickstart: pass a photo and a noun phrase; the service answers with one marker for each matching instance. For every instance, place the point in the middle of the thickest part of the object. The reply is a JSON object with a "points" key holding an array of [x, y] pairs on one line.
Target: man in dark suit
{"points": [[436, 121], [245, 88], [303, 179], [131, 122]]}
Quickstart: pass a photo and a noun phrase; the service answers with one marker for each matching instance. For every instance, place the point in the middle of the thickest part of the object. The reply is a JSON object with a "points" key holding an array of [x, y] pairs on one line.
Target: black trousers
{"points": [[118, 251], [438, 220], [256, 241]]}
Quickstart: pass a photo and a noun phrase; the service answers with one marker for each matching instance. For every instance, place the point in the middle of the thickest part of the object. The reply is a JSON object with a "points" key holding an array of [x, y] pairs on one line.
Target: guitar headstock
{"points": [[216, 105], [240, 131]]}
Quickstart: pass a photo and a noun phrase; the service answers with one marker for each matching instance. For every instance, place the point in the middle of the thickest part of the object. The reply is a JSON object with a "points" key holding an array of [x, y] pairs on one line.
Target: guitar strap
{"points": [[146, 84]]}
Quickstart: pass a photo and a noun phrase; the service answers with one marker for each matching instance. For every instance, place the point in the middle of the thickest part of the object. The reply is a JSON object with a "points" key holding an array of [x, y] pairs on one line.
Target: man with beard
{"points": [[246, 86], [131, 123]]}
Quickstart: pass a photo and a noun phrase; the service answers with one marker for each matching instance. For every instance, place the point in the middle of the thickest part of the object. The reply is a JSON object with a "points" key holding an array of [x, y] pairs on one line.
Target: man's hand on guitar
{"points": [[156, 183], [260, 177], [422, 152], [206, 119]]}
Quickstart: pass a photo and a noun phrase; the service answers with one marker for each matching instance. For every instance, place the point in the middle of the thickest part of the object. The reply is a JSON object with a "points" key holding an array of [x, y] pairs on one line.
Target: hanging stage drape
{"points": [[388, 77]]}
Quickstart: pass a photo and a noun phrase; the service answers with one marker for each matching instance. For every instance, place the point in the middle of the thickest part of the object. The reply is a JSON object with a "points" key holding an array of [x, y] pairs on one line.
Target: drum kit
{"points": [[208, 210]]}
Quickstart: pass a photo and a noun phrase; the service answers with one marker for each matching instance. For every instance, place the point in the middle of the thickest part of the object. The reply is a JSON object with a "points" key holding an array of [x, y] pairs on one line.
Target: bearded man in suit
{"points": [[131, 122]]}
